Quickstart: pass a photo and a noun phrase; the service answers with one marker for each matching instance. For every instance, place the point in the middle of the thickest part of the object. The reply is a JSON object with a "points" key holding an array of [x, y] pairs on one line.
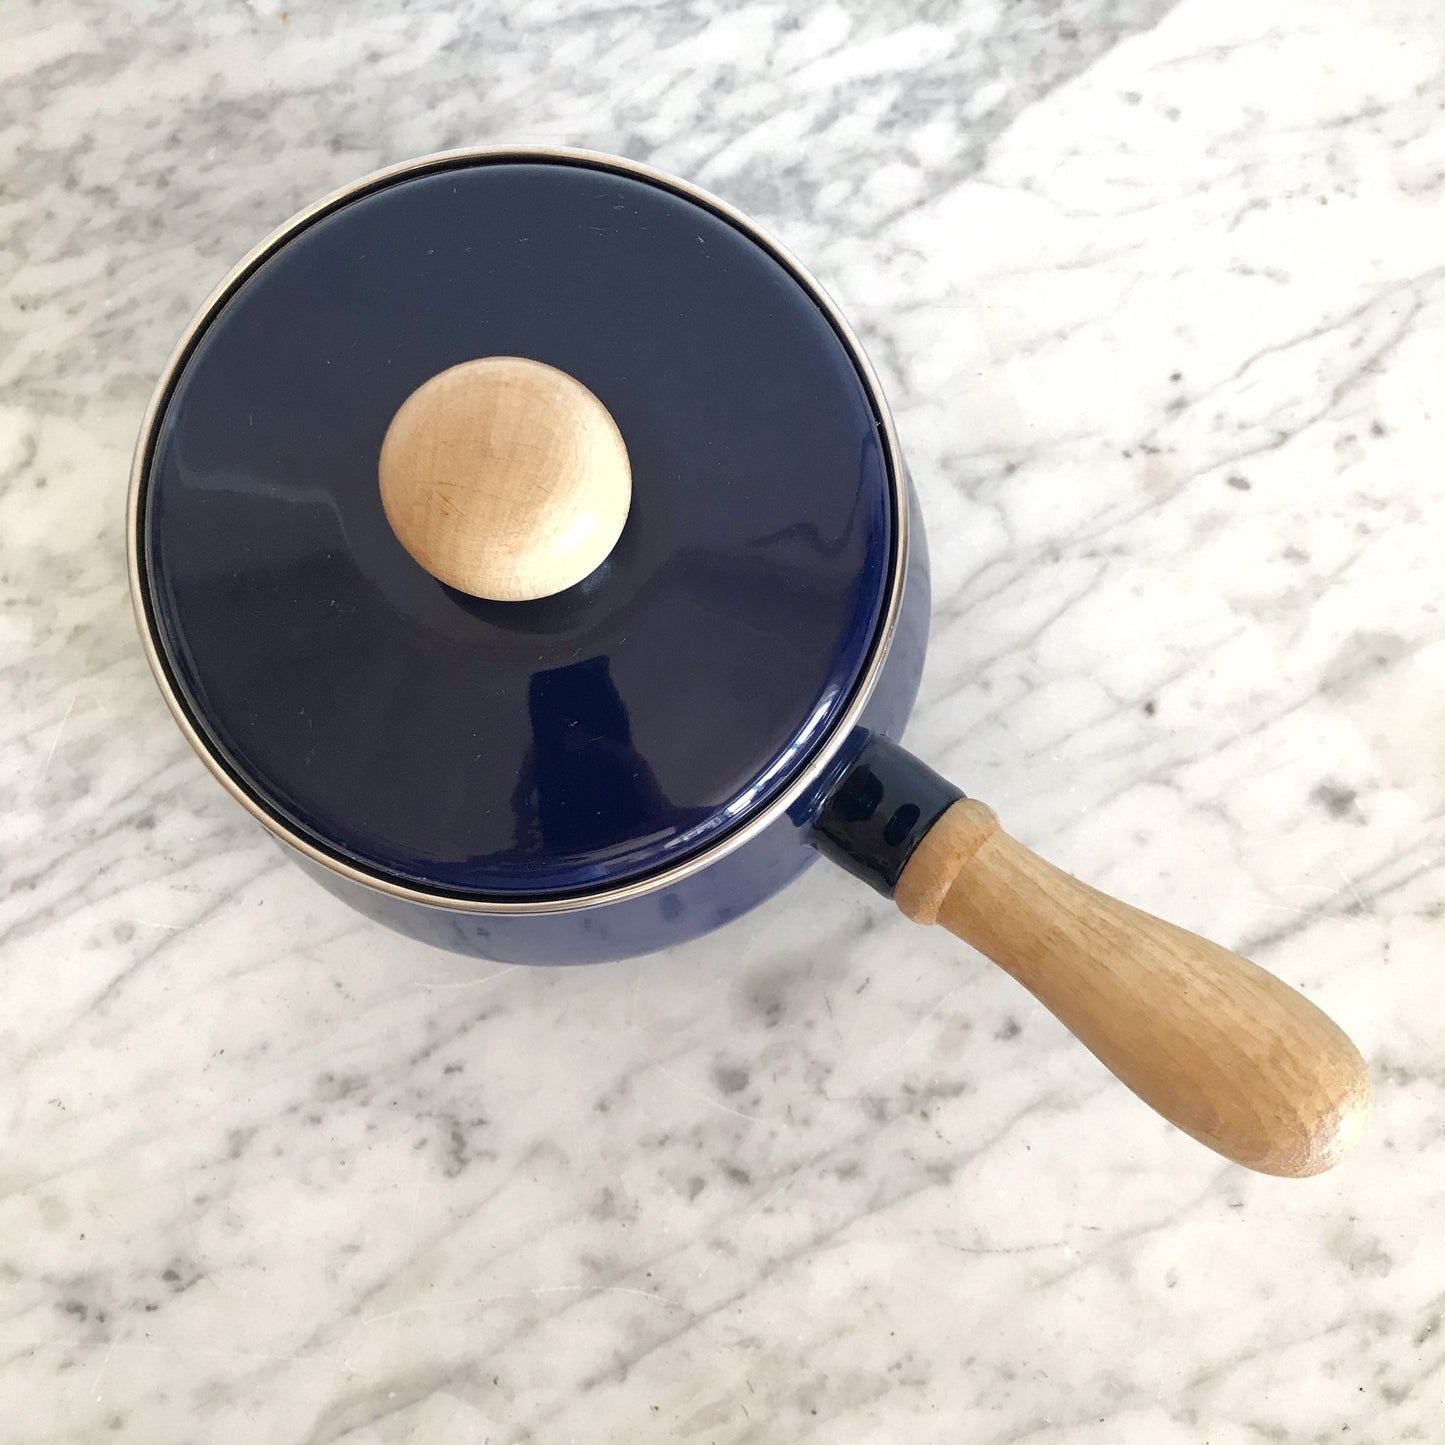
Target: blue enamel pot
{"points": [[639, 754]]}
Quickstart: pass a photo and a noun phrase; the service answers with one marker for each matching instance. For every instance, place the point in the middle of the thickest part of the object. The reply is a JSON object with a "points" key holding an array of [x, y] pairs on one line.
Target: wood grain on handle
{"points": [[1218, 1046]]}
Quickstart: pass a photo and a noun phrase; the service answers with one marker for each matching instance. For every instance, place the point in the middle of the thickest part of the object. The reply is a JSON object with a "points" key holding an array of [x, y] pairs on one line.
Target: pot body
{"points": [[297, 675], [704, 900]]}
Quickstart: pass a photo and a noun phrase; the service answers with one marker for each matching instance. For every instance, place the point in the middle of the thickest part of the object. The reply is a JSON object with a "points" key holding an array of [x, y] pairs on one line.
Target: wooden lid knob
{"points": [[505, 478]]}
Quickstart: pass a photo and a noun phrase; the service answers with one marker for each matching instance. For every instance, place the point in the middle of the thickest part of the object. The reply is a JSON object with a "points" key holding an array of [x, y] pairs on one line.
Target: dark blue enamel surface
{"points": [[708, 899], [878, 813], [495, 749]]}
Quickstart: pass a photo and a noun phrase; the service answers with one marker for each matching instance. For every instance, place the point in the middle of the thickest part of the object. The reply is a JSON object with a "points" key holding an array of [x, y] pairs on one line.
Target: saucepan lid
{"points": [[311, 615]]}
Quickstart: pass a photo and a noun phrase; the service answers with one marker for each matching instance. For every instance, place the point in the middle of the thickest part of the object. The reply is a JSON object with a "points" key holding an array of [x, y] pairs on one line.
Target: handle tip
{"points": [[1325, 1140]]}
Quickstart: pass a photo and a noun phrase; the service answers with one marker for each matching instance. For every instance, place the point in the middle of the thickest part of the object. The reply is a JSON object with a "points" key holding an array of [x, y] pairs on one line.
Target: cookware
{"points": [[522, 537]]}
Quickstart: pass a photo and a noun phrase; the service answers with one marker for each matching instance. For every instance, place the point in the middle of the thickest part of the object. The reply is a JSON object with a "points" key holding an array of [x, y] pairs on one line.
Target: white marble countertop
{"points": [[1158, 294]]}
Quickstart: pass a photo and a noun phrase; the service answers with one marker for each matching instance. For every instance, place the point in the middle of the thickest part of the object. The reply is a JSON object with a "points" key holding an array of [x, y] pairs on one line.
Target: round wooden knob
{"points": [[505, 478]]}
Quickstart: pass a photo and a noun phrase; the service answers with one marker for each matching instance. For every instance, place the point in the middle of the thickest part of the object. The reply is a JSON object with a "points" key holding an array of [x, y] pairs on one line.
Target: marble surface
{"points": [[1158, 293]]}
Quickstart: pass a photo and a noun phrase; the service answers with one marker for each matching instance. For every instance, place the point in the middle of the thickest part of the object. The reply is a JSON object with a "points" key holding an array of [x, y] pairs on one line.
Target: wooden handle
{"points": [[1218, 1046]]}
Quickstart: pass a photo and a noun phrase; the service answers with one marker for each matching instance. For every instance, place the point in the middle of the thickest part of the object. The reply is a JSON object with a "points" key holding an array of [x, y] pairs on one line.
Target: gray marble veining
{"points": [[1158, 295]]}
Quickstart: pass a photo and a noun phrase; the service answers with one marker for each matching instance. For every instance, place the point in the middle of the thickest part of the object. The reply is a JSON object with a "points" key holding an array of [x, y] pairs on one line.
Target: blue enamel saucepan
{"points": [[522, 537]]}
